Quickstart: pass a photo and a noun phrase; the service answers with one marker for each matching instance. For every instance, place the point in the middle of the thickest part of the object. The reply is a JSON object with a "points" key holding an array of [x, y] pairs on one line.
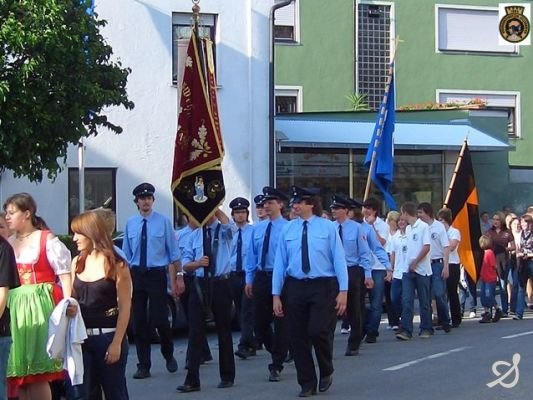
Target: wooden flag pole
{"points": [[457, 165], [382, 118]]}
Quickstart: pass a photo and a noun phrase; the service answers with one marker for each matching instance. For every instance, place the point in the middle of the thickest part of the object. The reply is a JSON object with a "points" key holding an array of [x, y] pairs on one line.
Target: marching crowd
{"points": [[289, 277]]}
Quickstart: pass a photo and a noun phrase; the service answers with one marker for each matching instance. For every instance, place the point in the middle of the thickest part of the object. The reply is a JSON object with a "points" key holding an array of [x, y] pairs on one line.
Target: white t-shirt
{"points": [[397, 244], [439, 239], [382, 229], [454, 234], [417, 237]]}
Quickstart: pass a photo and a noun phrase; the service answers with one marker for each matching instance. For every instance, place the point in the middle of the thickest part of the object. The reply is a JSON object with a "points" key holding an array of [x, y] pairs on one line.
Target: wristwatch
{"points": [[179, 273]]}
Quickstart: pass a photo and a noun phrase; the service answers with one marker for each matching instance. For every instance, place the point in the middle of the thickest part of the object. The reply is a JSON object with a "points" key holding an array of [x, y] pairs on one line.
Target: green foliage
{"points": [[56, 77], [357, 102]]}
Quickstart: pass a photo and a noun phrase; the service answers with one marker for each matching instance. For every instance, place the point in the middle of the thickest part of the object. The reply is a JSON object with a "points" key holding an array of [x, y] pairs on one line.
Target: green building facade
{"points": [[445, 52]]}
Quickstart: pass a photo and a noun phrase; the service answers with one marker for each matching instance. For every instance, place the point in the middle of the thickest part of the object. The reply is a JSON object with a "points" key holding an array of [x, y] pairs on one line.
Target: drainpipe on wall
{"points": [[271, 96]]}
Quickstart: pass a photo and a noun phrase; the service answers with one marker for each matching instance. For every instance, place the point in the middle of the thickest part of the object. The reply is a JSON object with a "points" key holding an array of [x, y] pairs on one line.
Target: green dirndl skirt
{"points": [[30, 307]]}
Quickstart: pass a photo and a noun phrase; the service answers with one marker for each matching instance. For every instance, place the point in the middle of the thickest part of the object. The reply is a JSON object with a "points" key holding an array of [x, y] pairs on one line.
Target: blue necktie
{"points": [[266, 243], [144, 247], [239, 251], [306, 266]]}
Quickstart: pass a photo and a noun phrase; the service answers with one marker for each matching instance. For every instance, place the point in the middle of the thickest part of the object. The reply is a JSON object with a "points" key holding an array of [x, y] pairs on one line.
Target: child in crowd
{"points": [[489, 279]]}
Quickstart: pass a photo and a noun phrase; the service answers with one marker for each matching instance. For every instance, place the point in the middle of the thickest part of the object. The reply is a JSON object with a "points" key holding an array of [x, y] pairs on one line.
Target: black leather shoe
{"points": [[142, 373], [370, 338], [275, 376], [351, 352], [307, 392], [325, 383], [244, 353], [172, 365], [225, 384], [188, 388], [206, 359]]}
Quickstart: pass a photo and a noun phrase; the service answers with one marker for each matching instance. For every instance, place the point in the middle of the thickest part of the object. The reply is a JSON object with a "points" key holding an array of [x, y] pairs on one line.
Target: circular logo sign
{"points": [[514, 26]]}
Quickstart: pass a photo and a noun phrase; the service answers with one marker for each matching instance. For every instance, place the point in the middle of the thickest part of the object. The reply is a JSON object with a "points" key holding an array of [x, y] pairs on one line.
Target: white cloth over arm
{"points": [[65, 336]]}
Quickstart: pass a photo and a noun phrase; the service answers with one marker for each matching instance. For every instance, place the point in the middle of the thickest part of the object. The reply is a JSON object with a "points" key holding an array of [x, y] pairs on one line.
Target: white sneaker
{"points": [[395, 328], [345, 331], [472, 314]]}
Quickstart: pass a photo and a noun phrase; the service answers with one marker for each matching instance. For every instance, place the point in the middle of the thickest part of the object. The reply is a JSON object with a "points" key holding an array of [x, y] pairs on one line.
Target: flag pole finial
{"points": [[196, 10]]}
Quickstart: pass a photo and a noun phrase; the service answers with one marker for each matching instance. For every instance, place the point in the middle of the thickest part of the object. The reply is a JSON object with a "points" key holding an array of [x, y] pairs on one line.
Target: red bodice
{"points": [[41, 271]]}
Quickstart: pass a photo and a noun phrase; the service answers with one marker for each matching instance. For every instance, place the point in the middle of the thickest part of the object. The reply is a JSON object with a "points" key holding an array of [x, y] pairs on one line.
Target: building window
{"points": [[324, 169], [181, 33], [374, 32], [418, 176], [288, 99], [508, 102], [285, 23], [469, 29], [521, 175], [100, 189]]}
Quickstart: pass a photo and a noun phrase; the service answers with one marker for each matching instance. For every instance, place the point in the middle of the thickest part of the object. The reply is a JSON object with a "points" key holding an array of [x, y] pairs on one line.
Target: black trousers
{"points": [[310, 309], [188, 280], [149, 311], [276, 342], [243, 310], [356, 306], [222, 301], [452, 284]]}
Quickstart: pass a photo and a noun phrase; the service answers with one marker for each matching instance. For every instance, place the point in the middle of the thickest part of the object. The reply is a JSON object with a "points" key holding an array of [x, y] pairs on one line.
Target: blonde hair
{"points": [[485, 242], [393, 216]]}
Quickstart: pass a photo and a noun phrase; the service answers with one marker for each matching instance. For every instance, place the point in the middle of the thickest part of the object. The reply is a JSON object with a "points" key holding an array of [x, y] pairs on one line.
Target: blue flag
{"points": [[383, 144]]}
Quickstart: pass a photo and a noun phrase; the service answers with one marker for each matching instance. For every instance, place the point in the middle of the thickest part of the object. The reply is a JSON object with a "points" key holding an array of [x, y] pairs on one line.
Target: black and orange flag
{"points": [[462, 200], [197, 181]]}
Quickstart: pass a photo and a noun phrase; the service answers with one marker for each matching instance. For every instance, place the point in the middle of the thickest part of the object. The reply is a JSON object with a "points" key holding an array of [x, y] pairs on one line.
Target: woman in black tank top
{"points": [[102, 286]]}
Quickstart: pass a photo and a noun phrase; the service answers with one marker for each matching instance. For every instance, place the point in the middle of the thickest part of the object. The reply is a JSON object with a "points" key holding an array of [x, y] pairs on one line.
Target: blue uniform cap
{"points": [[271, 193], [355, 203], [259, 200], [340, 202], [144, 189], [299, 194], [239, 203]]}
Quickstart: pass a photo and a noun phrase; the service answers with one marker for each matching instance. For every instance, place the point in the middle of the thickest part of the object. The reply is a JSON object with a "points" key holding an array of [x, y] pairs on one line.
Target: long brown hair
{"points": [[90, 225], [24, 202]]}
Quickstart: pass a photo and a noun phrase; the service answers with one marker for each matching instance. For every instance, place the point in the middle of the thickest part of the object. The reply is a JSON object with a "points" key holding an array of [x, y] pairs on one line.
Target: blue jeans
{"points": [[5, 346], [438, 291], [488, 294], [525, 272], [396, 300], [503, 268], [112, 377], [376, 302], [410, 282]]}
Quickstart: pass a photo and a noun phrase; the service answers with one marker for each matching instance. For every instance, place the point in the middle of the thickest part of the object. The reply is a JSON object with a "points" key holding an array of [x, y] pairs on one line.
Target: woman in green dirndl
{"points": [[42, 262]]}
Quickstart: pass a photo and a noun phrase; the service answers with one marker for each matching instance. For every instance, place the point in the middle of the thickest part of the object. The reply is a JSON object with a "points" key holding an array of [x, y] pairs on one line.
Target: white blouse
{"points": [[58, 256]]}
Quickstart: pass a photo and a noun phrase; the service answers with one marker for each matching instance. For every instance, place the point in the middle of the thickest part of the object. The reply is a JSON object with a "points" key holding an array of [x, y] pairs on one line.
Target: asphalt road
{"points": [[458, 365]]}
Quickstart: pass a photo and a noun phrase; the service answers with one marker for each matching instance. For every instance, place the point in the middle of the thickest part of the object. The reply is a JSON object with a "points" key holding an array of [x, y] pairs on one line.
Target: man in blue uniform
{"points": [[150, 249], [259, 202], [358, 259], [208, 256], [183, 238], [310, 268], [242, 236], [259, 267]]}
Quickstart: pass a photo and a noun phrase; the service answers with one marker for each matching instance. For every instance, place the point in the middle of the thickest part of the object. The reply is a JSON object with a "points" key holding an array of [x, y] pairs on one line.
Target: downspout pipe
{"points": [[271, 96]]}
